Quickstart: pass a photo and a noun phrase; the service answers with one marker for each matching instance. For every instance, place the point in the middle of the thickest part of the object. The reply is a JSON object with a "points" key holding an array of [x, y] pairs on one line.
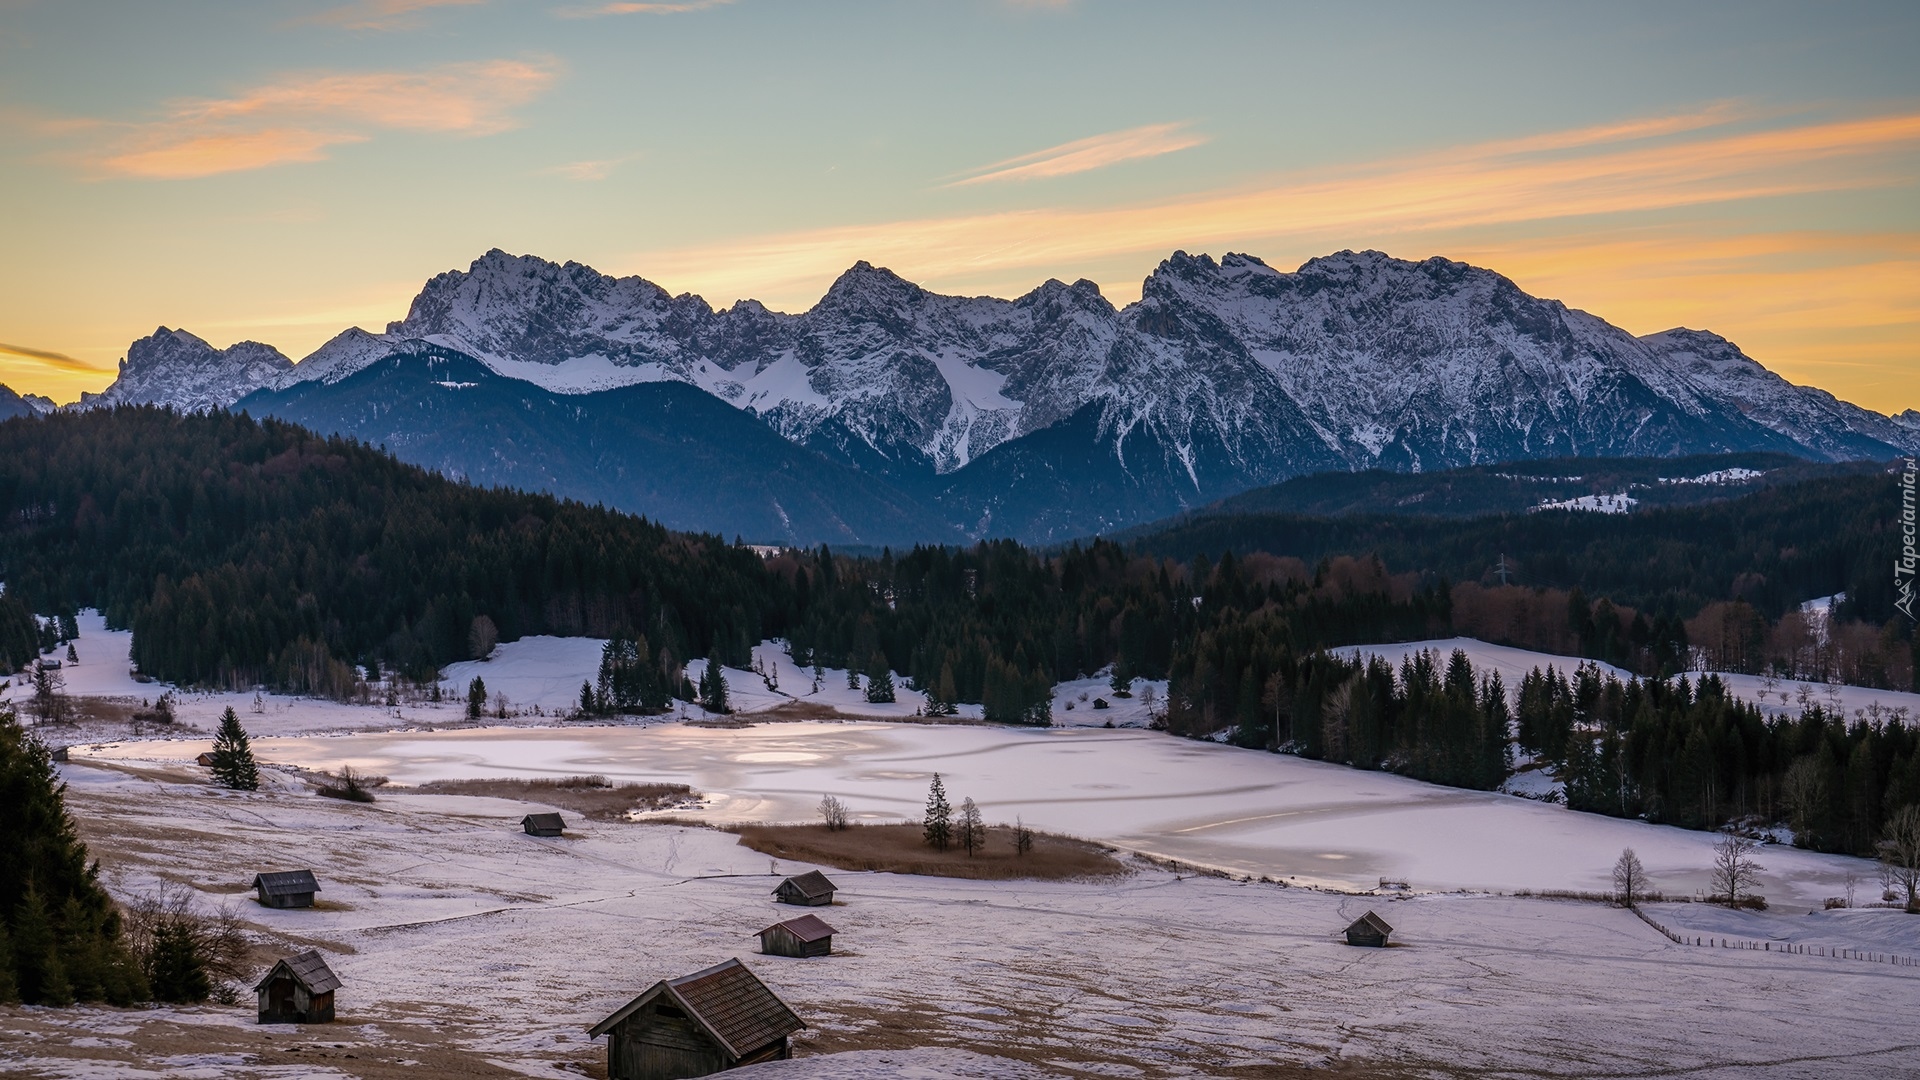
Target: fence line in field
{"points": [[1714, 942]]}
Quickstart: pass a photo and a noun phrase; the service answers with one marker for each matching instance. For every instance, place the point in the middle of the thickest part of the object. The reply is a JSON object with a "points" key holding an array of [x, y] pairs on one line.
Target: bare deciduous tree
{"points": [[1804, 790], [160, 924], [1735, 870], [1022, 837], [1900, 853], [833, 812], [1629, 878], [973, 831]]}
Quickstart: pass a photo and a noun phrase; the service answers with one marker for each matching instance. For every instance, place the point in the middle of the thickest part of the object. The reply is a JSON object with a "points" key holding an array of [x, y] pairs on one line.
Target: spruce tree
{"points": [[233, 765], [476, 698], [63, 931], [939, 821], [879, 680], [178, 971], [713, 689]]}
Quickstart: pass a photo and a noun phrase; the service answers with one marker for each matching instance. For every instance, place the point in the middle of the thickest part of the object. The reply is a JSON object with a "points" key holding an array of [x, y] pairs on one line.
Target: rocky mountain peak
{"points": [[180, 369]]}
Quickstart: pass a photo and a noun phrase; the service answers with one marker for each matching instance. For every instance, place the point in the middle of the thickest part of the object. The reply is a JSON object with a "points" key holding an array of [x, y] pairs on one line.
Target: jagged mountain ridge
{"points": [[1395, 363], [1224, 376], [174, 367]]}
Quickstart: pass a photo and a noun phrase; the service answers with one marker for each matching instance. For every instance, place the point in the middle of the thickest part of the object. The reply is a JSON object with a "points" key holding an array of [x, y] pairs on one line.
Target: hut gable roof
{"points": [[727, 1000], [1373, 922], [544, 821], [811, 884], [807, 928], [309, 968], [284, 882]]}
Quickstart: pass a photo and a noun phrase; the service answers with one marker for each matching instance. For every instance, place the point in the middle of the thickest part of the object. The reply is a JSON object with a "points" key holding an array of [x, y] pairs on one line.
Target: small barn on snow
{"points": [[543, 824], [286, 888], [1369, 929], [702, 1023], [811, 889], [205, 760], [298, 990], [807, 935]]}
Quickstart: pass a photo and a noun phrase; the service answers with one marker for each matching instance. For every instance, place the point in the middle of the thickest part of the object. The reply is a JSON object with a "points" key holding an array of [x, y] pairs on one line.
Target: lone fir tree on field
{"points": [[233, 765], [476, 698], [939, 822]]}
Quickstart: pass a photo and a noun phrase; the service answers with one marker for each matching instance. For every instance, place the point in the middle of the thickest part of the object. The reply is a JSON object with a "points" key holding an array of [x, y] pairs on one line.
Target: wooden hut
{"points": [[205, 760], [286, 888], [811, 889], [698, 1024], [543, 824], [1370, 930], [298, 990], [808, 935]]}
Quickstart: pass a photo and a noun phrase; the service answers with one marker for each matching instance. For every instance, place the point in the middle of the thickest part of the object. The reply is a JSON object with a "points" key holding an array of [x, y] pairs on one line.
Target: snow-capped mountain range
{"points": [[1224, 376]]}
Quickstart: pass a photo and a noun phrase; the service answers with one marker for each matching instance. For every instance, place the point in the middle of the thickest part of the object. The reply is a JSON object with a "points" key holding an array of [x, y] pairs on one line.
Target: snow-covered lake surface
{"points": [[1248, 811], [1251, 812]]}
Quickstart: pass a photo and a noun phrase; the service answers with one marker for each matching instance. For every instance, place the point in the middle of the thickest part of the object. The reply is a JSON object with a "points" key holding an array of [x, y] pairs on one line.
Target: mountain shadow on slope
{"points": [[669, 451]]}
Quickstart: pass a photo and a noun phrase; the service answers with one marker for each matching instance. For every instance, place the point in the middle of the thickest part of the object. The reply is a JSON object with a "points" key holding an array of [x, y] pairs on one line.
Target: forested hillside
{"points": [[245, 552], [1772, 549]]}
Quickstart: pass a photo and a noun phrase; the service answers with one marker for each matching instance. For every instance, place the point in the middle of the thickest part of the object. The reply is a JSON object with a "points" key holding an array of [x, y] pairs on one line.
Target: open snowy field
{"points": [[469, 948]]}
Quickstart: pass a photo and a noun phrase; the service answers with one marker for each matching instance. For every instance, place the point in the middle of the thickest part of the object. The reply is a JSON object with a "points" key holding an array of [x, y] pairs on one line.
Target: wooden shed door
{"points": [[280, 997]]}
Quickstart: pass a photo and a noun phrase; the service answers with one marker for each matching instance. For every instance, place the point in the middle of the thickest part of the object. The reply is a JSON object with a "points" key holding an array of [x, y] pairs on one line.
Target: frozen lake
{"points": [[1251, 812]]}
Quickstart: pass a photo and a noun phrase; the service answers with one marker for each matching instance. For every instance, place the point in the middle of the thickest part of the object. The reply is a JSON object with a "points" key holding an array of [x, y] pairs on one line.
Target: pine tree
{"points": [[939, 820], [713, 689], [476, 698], [51, 901], [879, 680], [233, 765], [944, 696], [178, 971]]}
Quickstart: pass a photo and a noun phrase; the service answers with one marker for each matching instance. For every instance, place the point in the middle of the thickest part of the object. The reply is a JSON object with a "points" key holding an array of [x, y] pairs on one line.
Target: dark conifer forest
{"points": [[247, 553]]}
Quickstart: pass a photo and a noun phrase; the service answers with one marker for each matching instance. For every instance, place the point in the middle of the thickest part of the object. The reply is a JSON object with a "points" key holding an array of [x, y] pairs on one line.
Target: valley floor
{"points": [[472, 949]]}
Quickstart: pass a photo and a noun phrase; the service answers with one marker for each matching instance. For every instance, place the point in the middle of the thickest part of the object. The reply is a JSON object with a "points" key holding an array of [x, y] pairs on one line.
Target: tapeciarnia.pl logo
{"points": [[1903, 567]]}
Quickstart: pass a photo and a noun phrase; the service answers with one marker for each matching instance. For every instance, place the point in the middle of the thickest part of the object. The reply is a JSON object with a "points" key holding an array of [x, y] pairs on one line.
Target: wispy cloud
{"points": [[48, 359], [299, 117], [632, 7], [1622, 170], [1083, 155], [589, 170], [380, 14]]}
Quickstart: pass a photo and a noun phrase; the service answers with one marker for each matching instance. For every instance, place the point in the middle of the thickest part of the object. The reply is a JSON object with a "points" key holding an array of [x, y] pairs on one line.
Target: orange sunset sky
{"points": [[278, 171]]}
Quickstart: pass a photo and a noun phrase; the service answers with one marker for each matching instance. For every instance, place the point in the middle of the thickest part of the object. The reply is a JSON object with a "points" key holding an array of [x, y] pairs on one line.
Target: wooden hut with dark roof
{"points": [[285, 888], [1370, 930], [706, 1022], [811, 889], [543, 824], [807, 935], [298, 990]]}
